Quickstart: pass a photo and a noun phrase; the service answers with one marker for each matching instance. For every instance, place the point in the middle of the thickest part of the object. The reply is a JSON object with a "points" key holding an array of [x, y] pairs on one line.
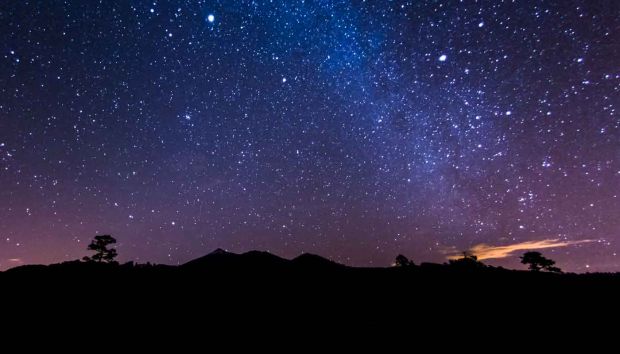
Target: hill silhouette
{"points": [[223, 260], [257, 285]]}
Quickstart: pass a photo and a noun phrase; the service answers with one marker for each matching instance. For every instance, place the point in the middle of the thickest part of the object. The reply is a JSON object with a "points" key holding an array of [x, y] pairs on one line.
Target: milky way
{"points": [[352, 129]]}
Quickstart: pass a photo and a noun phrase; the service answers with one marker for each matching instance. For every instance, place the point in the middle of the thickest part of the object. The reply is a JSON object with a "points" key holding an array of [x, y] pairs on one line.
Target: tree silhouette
{"points": [[402, 261], [537, 262], [103, 254]]}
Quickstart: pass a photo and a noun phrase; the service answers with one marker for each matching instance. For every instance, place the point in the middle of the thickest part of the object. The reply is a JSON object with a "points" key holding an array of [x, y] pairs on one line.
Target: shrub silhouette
{"points": [[537, 262], [468, 261], [103, 254], [402, 261]]}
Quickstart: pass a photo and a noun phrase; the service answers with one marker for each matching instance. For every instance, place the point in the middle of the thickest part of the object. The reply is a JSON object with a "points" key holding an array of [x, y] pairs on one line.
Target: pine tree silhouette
{"points": [[103, 254]]}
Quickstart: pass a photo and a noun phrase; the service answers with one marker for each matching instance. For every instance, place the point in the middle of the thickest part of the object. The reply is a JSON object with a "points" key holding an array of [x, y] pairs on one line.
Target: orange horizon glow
{"points": [[486, 251]]}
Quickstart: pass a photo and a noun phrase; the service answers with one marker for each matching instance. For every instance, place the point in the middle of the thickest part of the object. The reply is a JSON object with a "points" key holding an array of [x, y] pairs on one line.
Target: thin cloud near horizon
{"points": [[485, 251]]}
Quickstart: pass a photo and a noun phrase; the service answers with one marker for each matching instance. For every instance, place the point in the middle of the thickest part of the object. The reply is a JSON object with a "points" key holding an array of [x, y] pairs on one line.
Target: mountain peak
{"points": [[219, 251], [216, 257]]}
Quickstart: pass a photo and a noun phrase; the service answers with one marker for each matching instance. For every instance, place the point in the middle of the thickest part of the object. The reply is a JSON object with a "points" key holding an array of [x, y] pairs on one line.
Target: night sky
{"points": [[353, 129]]}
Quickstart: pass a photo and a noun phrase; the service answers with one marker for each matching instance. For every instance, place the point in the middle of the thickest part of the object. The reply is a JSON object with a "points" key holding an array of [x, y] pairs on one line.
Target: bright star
{"points": [[211, 18], [443, 57]]}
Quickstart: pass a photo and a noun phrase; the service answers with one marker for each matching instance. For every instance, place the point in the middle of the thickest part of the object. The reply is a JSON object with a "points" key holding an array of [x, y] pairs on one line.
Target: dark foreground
{"points": [[257, 290]]}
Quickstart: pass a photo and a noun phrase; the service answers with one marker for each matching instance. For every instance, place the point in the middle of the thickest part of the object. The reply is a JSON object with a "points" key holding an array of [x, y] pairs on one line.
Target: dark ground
{"points": [[257, 291]]}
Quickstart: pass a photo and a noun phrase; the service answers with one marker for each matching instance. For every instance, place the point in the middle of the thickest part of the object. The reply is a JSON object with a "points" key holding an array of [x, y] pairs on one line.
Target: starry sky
{"points": [[353, 129]]}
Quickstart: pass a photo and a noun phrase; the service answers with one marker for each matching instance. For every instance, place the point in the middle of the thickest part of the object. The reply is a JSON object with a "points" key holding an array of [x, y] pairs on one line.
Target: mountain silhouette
{"points": [[224, 260], [217, 258], [256, 286], [313, 261]]}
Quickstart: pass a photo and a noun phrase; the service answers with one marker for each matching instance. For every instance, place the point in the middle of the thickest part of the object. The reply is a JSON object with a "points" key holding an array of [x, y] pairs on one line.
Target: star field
{"points": [[353, 129]]}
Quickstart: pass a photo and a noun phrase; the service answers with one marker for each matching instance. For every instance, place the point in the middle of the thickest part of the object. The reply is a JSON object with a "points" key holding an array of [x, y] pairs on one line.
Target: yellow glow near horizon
{"points": [[485, 251]]}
